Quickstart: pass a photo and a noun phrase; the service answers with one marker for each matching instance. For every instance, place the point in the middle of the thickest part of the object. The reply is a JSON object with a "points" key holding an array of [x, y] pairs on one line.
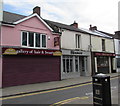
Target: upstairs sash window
{"points": [[78, 41]]}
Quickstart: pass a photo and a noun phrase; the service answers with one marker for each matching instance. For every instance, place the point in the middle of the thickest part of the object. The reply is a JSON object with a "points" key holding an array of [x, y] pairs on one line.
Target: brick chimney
{"points": [[93, 28], [75, 24], [117, 34], [36, 10]]}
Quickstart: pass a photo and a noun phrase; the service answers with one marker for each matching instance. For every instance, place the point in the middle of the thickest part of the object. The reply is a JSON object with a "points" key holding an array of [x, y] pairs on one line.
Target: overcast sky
{"points": [[100, 13]]}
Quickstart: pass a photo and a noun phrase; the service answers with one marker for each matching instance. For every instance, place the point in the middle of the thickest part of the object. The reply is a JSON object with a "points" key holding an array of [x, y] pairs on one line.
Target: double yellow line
{"points": [[73, 99], [68, 101], [36, 93]]}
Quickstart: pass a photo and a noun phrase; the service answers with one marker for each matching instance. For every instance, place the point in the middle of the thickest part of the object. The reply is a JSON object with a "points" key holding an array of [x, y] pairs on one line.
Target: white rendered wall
{"points": [[68, 40], [97, 44]]}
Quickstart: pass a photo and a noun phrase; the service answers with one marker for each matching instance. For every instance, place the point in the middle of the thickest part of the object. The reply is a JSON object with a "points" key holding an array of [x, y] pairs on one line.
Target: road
{"points": [[79, 94]]}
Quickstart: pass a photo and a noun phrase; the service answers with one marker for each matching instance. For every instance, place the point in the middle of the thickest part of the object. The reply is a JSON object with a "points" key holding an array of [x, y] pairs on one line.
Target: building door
{"points": [[103, 64], [83, 66]]}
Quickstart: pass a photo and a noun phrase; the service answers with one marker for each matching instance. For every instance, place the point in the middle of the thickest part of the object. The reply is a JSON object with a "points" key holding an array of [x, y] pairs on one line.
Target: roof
{"points": [[112, 35], [57, 25], [97, 33], [11, 18]]}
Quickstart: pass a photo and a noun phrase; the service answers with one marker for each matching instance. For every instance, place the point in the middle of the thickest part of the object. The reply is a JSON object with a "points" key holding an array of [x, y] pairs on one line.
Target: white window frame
{"points": [[34, 40], [78, 41], [65, 57]]}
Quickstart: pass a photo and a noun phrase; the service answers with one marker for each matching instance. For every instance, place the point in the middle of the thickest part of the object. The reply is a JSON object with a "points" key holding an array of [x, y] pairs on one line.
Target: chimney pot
{"points": [[36, 10], [75, 24]]}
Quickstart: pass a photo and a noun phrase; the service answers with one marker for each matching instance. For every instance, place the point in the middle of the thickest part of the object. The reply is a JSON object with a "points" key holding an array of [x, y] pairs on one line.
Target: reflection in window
{"points": [[31, 39], [102, 61], [103, 44], [67, 65], [76, 64], [78, 41], [118, 62], [43, 41], [37, 40], [64, 65], [24, 38]]}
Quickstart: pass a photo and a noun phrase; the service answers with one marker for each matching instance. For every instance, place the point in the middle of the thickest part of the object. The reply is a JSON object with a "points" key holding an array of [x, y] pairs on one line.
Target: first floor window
{"points": [[32, 39], [103, 44], [78, 41]]}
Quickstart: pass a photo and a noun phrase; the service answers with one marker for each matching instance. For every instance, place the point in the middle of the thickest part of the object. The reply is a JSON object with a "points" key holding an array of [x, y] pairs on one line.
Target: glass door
{"points": [[83, 63]]}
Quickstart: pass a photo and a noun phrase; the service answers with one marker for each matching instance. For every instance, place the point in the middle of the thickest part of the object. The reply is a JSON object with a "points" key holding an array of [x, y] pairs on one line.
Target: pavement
{"points": [[16, 90]]}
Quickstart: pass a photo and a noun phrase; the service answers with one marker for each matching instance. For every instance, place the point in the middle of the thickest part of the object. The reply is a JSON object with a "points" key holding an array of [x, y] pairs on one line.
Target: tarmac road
{"points": [[79, 94]]}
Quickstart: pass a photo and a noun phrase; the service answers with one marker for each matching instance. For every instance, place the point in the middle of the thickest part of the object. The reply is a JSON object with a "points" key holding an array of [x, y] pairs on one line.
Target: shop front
{"points": [[103, 62], [25, 66], [74, 64]]}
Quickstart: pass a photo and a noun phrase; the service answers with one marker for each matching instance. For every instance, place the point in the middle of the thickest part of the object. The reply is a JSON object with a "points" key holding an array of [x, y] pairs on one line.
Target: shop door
{"points": [[103, 64], [83, 65]]}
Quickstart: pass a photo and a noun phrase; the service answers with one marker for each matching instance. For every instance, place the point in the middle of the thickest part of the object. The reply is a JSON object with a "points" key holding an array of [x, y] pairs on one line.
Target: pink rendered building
{"points": [[30, 50]]}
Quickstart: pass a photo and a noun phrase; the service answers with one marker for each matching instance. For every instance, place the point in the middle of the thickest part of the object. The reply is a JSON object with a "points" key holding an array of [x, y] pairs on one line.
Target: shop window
{"points": [[78, 41], [102, 61], [103, 44], [77, 64], [67, 64], [118, 47], [118, 62], [31, 39]]}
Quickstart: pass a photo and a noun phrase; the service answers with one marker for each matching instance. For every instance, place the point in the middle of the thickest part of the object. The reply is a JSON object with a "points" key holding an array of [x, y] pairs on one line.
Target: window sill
{"points": [[33, 47]]}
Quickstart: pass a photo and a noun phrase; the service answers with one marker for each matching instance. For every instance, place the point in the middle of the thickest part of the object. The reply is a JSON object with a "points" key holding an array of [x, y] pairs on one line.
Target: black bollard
{"points": [[101, 90]]}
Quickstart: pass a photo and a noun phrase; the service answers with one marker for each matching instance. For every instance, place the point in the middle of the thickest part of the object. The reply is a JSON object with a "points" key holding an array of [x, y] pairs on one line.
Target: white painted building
{"points": [[102, 51], [75, 59], [117, 49], [1, 18]]}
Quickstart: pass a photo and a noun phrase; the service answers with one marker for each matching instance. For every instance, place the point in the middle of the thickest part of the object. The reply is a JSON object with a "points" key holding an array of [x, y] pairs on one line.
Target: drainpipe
{"points": [[91, 55], [60, 30], [1, 19]]}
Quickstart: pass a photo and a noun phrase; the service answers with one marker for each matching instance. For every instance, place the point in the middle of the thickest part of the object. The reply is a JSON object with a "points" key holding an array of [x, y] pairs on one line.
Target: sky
{"points": [[100, 13]]}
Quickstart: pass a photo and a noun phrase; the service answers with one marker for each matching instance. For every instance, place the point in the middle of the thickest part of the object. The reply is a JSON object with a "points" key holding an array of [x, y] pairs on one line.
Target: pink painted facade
{"points": [[11, 35], [0, 71], [47, 66]]}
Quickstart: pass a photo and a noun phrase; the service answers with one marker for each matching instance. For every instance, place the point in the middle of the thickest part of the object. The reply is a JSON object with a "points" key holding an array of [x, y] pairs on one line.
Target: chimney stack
{"points": [[36, 10], [93, 28], [117, 34], [75, 24]]}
